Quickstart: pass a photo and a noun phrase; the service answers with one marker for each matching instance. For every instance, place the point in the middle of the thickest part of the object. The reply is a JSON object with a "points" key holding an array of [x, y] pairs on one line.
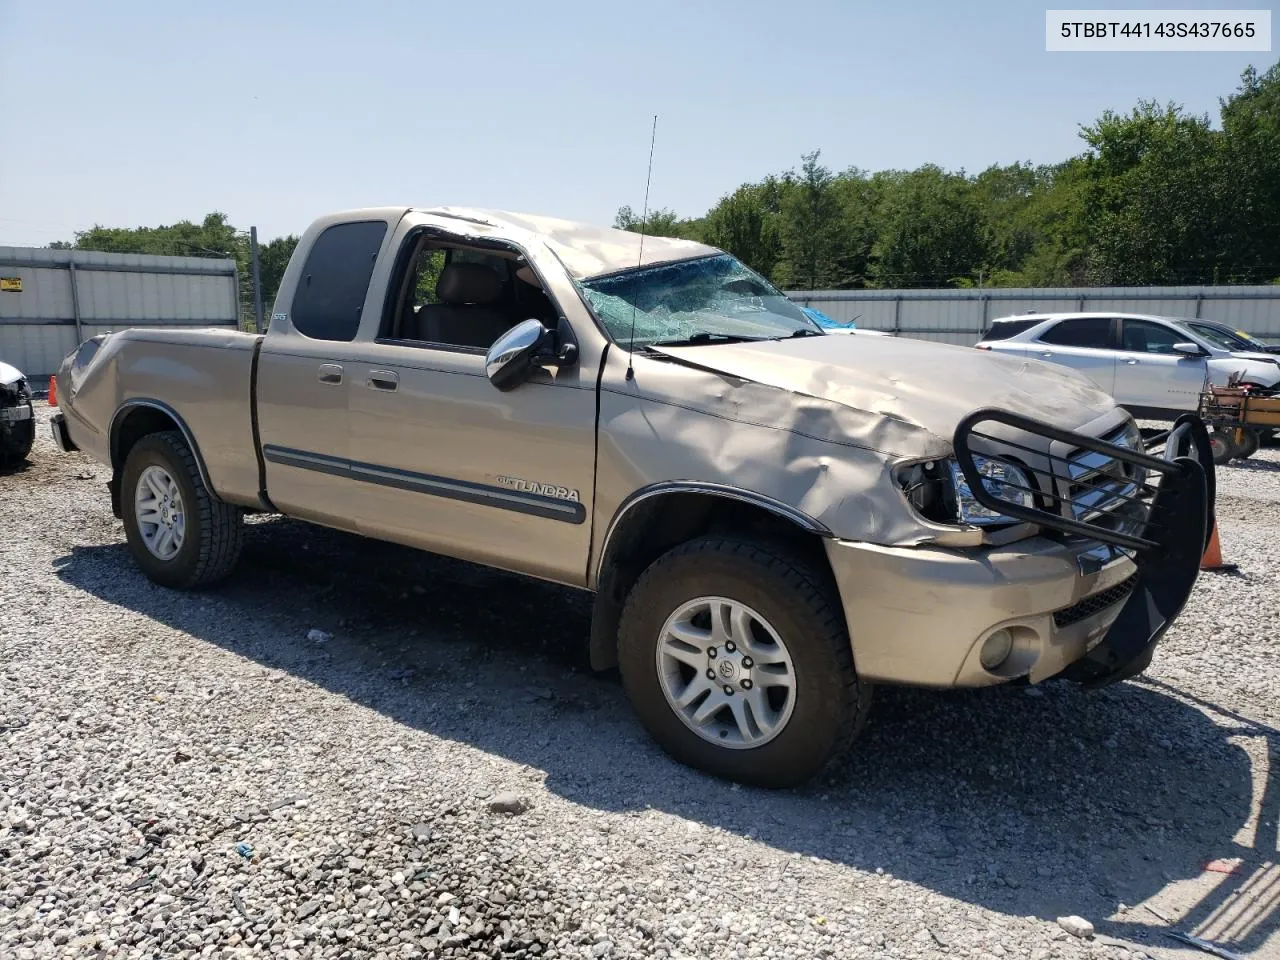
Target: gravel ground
{"points": [[192, 775]]}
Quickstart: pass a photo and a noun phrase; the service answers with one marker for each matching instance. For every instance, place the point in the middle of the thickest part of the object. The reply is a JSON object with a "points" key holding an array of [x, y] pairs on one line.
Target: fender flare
{"points": [[122, 412], [607, 609]]}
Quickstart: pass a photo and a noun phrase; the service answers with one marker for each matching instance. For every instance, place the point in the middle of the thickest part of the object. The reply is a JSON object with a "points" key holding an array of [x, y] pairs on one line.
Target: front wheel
{"points": [[180, 535], [735, 656]]}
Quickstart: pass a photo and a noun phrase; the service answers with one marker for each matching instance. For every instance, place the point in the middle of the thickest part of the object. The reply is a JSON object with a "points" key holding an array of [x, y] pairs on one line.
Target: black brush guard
{"points": [[1166, 535]]}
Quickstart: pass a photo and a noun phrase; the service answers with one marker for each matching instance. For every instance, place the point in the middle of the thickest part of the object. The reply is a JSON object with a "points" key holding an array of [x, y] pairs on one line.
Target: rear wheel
{"points": [[180, 535], [735, 657], [1248, 445]]}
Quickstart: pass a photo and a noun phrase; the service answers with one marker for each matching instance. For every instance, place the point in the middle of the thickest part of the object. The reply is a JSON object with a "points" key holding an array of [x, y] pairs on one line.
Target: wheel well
{"points": [[132, 425], [653, 526]]}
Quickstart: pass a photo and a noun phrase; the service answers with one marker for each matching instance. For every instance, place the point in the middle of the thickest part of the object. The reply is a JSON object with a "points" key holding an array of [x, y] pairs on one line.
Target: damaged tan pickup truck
{"points": [[772, 519]]}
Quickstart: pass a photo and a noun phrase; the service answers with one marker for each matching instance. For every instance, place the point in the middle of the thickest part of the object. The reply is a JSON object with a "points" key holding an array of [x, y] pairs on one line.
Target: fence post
{"points": [[257, 281], [897, 314], [75, 301]]}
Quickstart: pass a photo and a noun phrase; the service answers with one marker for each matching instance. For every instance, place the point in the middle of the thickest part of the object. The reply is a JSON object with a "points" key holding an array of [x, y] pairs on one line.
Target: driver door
{"points": [[1150, 374], [452, 464]]}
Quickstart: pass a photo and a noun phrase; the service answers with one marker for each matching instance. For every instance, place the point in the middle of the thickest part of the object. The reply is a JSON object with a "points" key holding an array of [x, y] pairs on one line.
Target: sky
{"points": [[136, 113]]}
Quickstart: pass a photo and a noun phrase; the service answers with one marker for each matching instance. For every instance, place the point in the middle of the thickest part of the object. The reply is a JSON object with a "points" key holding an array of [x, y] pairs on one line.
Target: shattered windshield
{"points": [[708, 300]]}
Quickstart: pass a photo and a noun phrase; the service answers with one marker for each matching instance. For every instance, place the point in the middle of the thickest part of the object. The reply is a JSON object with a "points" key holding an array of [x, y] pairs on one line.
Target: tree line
{"points": [[1158, 196]]}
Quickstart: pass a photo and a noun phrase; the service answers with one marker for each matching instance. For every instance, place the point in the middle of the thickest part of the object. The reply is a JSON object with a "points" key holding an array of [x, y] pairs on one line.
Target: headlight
{"points": [[1002, 480]]}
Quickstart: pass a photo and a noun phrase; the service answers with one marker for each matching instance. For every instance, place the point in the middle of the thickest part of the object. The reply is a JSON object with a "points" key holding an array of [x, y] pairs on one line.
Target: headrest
{"points": [[526, 274], [468, 283]]}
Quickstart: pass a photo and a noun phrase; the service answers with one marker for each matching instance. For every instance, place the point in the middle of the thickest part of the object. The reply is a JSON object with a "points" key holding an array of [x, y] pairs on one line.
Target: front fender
{"points": [[1260, 372]]}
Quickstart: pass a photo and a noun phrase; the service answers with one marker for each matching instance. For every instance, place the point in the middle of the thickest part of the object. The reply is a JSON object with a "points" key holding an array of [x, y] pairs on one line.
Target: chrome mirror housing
{"points": [[510, 359]]}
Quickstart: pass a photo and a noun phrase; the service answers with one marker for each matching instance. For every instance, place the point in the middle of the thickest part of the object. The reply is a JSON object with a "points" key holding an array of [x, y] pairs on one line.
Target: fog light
{"points": [[996, 649]]}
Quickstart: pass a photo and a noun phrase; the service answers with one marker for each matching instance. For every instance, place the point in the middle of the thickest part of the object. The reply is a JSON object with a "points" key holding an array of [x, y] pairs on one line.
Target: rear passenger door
{"points": [[304, 374], [1086, 344]]}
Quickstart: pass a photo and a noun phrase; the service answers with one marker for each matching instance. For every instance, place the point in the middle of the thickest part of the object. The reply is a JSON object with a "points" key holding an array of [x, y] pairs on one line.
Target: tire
{"points": [[799, 604], [16, 442], [1248, 446], [212, 532], [1222, 445]]}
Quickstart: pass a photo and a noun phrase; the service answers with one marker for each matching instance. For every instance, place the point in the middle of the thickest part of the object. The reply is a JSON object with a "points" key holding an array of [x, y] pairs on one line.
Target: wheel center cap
{"points": [[727, 669]]}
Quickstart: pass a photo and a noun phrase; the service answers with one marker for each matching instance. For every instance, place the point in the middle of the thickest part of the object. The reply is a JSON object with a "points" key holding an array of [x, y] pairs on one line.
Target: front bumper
{"points": [[17, 424], [920, 615], [1091, 603], [19, 413]]}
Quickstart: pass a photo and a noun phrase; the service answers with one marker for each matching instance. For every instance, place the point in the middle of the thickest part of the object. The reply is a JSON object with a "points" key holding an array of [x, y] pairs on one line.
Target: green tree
{"points": [[1251, 154], [273, 257], [929, 230], [743, 225], [1153, 195], [661, 223], [809, 227]]}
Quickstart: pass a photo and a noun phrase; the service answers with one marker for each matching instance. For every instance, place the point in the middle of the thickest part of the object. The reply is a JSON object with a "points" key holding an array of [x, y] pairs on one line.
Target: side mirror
{"points": [[1188, 349], [522, 349]]}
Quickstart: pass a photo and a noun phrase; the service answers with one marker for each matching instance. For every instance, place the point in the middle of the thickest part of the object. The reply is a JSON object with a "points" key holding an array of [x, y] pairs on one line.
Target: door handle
{"points": [[1131, 360], [330, 373], [383, 379], [1046, 353]]}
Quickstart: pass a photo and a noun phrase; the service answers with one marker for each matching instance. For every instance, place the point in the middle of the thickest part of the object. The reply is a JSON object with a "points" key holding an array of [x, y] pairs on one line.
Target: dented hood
{"points": [[929, 385]]}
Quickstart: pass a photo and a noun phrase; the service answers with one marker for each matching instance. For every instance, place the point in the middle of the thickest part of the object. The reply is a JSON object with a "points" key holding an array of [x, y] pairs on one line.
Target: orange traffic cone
{"points": [[1212, 559], [53, 391]]}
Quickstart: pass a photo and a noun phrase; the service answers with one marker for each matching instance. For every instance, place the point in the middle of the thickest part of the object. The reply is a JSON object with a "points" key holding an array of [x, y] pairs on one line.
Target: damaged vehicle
{"points": [[17, 418], [772, 520]]}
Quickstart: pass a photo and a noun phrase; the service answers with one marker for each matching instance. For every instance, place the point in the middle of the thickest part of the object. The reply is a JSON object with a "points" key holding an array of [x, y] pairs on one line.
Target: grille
{"points": [[1098, 484], [1114, 502], [1094, 604]]}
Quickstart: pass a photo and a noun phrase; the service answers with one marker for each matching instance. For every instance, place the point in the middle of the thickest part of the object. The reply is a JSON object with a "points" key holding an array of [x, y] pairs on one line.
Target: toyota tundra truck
{"points": [[772, 520]]}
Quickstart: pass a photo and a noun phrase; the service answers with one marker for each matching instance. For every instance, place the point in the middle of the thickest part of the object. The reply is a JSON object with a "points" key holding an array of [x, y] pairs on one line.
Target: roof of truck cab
{"points": [[586, 251]]}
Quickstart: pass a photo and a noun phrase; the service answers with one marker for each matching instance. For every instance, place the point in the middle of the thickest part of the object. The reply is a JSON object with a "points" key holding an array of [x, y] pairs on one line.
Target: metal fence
{"points": [[963, 316], [52, 300]]}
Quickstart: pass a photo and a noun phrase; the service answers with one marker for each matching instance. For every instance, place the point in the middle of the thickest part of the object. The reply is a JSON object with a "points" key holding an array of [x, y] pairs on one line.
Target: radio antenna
{"points": [[644, 223]]}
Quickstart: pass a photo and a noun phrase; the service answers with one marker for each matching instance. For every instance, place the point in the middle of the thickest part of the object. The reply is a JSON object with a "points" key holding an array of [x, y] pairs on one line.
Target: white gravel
{"points": [[198, 775]]}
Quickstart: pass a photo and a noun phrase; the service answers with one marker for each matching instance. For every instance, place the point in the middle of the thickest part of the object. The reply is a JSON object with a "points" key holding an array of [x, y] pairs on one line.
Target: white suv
{"points": [[1156, 367]]}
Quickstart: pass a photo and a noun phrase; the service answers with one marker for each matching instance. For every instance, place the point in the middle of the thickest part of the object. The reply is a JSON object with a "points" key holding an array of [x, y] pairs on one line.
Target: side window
{"points": [[1143, 336], [1092, 332], [466, 298], [1004, 329], [335, 280]]}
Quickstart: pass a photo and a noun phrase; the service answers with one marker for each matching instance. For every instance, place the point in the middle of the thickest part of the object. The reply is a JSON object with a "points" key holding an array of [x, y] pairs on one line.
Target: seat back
{"points": [[467, 314]]}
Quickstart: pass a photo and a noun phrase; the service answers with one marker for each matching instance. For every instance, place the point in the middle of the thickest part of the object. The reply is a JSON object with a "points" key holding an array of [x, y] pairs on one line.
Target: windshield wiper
{"points": [[803, 332], [697, 339]]}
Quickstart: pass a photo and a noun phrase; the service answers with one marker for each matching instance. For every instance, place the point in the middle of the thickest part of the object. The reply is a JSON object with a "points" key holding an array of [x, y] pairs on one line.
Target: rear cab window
{"points": [[335, 280], [1092, 332]]}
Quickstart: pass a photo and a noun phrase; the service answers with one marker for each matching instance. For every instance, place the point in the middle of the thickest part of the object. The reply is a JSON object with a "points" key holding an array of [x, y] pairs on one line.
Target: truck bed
{"points": [[202, 378]]}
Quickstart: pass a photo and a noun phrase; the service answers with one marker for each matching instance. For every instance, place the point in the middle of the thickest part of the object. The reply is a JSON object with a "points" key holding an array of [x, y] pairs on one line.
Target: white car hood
{"points": [[9, 373], [930, 385]]}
